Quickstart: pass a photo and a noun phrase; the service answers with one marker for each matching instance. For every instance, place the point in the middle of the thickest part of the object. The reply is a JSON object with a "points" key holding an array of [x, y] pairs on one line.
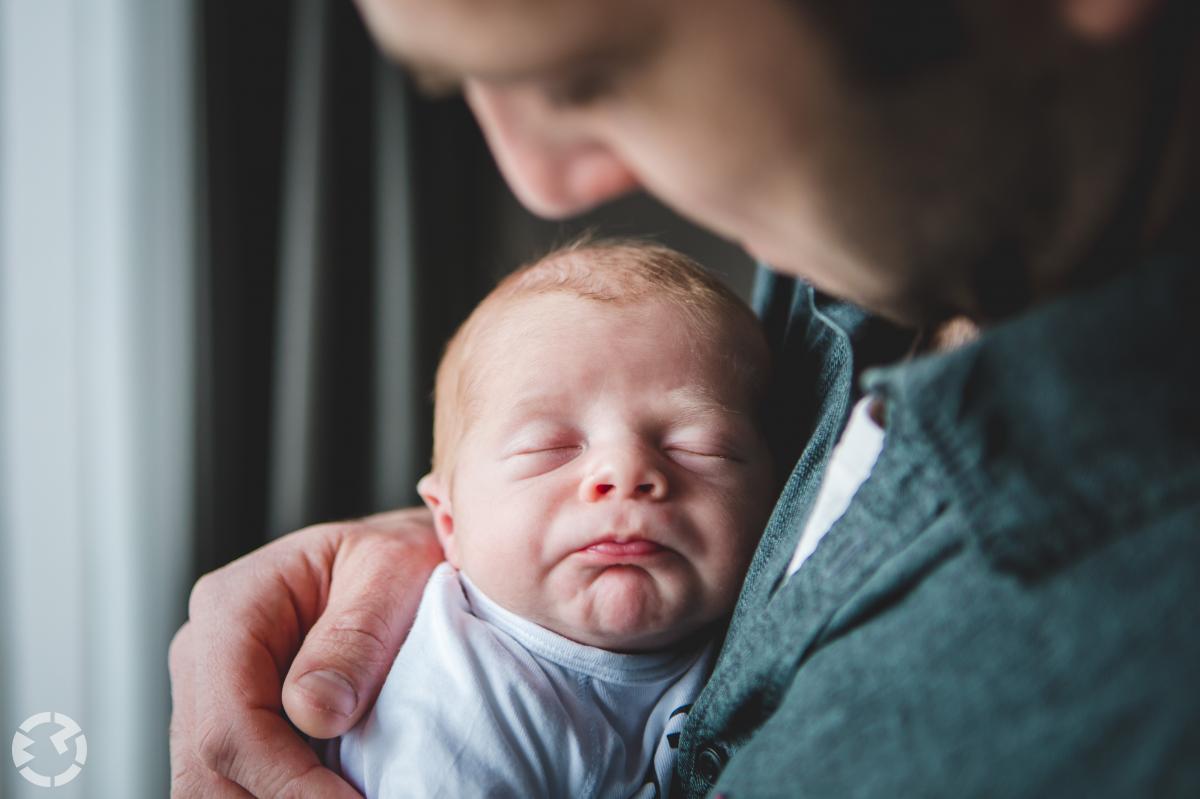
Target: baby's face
{"points": [[613, 483]]}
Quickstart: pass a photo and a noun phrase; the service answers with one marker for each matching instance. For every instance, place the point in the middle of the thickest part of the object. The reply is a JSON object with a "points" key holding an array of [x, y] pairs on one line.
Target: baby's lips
{"points": [[633, 548]]}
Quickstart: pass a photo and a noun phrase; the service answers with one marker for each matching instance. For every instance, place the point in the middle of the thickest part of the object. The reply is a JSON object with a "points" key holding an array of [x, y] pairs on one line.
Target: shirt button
{"points": [[709, 764]]}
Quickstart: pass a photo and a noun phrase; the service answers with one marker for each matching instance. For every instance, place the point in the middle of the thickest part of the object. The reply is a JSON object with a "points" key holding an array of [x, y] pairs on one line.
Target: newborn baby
{"points": [[599, 483]]}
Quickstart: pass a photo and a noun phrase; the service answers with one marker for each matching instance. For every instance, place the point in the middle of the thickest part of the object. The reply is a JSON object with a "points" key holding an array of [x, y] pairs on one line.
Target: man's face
{"points": [[613, 481], [754, 119], [715, 107]]}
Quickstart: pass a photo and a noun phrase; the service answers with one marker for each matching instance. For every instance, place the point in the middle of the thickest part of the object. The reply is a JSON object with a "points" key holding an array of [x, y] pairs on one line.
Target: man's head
{"points": [[920, 158], [598, 464]]}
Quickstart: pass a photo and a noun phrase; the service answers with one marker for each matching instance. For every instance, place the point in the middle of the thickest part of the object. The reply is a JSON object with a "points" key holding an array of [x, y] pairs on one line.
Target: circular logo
{"points": [[66, 731]]}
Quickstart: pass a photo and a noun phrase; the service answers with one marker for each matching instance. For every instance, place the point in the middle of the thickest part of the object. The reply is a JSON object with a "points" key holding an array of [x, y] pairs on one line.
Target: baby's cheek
{"points": [[737, 522]]}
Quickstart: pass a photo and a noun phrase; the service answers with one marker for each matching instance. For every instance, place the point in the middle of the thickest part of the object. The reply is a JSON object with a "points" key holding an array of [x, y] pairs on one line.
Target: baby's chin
{"points": [[627, 609]]}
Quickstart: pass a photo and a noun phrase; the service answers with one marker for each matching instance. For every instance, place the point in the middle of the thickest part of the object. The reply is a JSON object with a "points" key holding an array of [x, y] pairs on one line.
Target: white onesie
{"points": [[481, 702]]}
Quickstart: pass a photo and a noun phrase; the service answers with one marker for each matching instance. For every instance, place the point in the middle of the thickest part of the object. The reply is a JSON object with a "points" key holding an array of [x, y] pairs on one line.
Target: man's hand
{"points": [[328, 607]]}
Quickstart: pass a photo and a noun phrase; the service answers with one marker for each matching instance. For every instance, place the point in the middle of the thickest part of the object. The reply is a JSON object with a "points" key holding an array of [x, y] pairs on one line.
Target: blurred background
{"points": [[232, 243]]}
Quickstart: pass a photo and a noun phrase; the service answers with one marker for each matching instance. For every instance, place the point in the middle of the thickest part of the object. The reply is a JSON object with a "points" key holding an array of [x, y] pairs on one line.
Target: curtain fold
{"points": [[96, 267], [346, 389]]}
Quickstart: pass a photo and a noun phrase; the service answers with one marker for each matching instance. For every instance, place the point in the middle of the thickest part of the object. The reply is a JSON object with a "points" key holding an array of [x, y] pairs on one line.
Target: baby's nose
{"points": [[624, 477]]}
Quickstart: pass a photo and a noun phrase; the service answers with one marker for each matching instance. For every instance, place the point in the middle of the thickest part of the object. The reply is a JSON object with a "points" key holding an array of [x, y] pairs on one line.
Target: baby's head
{"points": [[598, 463]]}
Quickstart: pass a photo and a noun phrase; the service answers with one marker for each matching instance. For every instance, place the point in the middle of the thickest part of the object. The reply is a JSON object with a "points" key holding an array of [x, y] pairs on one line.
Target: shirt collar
{"points": [[1064, 427]]}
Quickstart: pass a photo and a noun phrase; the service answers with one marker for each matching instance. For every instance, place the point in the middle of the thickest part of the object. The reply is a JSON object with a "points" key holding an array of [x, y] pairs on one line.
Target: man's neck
{"points": [[1156, 209]]}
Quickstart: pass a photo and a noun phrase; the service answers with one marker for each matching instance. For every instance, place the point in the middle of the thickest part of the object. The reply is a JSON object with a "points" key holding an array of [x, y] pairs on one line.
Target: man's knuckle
{"points": [[174, 649], [296, 785], [177, 652], [325, 534], [188, 783], [215, 746], [203, 594], [362, 634], [183, 785]]}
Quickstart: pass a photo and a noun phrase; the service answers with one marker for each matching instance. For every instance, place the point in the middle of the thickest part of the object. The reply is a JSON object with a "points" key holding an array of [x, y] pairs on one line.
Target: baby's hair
{"points": [[606, 270]]}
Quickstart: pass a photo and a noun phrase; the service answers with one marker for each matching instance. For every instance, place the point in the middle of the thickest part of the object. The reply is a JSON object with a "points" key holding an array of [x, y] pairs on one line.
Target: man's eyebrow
{"points": [[432, 79], [437, 79]]}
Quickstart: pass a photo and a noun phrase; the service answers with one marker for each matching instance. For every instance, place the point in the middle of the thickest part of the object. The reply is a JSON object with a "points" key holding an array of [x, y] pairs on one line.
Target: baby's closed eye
{"points": [[697, 444], [531, 456]]}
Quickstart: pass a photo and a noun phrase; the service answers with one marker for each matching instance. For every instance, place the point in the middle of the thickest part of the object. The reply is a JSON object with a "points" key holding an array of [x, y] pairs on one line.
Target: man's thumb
{"points": [[373, 597]]}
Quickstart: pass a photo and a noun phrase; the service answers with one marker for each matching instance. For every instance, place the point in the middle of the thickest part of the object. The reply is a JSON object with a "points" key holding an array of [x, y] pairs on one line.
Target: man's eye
{"points": [[579, 90]]}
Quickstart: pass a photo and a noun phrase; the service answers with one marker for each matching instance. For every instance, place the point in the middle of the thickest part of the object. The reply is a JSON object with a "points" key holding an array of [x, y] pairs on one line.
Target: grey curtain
{"points": [[337, 265], [97, 261]]}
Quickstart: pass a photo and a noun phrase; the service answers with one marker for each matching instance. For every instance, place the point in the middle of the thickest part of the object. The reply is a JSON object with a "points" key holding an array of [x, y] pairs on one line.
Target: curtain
{"points": [[97, 245], [318, 334]]}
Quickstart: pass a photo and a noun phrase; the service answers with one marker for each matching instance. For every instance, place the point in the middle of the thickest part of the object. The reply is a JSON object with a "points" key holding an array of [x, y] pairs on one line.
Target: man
{"points": [[1008, 602]]}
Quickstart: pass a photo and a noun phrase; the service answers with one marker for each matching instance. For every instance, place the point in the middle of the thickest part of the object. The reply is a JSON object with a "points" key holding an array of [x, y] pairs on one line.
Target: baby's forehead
{"points": [[536, 349], [562, 308], [553, 323]]}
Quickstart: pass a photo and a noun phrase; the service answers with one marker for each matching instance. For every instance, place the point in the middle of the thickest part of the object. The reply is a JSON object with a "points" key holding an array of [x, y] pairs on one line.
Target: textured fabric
{"points": [[1009, 606], [481, 702]]}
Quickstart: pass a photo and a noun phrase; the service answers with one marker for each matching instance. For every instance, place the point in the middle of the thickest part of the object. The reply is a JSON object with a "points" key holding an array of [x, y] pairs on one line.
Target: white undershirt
{"points": [[482, 702], [849, 467]]}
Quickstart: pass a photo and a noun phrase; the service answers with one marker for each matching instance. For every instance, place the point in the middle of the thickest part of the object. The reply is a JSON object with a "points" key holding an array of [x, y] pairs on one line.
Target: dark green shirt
{"points": [[1011, 604]]}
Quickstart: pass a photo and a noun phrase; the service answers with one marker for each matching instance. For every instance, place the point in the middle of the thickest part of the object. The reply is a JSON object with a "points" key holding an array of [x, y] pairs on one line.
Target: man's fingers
{"points": [[363, 581], [349, 650], [189, 778], [253, 753], [260, 752]]}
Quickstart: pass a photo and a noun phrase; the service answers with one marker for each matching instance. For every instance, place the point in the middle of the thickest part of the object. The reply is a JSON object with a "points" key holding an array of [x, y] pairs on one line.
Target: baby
{"points": [[599, 482]]}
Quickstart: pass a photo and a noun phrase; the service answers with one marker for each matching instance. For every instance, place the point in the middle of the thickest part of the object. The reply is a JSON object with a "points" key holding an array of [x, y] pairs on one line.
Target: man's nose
{"points": [[624, 475], [554, 167]]}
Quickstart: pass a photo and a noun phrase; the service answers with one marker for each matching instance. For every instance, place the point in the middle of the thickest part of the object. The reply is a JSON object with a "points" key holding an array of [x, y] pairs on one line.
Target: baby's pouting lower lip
{"points": [[639, 547]]}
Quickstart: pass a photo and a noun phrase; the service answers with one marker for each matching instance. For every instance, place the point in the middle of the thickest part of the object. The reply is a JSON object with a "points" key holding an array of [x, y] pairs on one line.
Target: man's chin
{"points": [[907, 303]]}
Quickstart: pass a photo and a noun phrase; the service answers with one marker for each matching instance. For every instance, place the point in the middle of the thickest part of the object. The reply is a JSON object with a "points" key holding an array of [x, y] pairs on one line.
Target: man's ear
{"points": [[1108, 20], [433, 491]]}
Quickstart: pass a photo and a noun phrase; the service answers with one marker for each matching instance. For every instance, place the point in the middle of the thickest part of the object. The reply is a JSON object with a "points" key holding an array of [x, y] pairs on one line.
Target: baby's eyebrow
{"points": [[527, 410], [533, 404], [682, 407], [696, 406]]}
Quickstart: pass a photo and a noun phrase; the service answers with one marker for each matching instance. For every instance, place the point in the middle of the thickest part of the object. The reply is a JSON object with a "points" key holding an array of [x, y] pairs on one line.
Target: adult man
{"points": [[1007, 604]]}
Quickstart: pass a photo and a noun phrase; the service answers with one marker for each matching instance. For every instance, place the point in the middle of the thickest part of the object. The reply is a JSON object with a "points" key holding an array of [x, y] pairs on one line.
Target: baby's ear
{"points": [[437, 499]]}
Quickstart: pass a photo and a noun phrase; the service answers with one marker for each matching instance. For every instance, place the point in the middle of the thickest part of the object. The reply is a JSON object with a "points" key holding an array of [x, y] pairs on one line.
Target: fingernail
{"points": [[330, 691]]}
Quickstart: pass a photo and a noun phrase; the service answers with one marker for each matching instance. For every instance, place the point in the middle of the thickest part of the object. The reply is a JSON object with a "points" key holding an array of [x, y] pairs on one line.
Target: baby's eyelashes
{"points": [[540, 436], [701, 459], [556, 451], [530, 461], [714, 443], [698, 452], [534, 446]]}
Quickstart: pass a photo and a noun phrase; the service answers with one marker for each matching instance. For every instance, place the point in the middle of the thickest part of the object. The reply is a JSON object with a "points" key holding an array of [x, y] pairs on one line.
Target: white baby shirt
{"points": [[481, 702]]}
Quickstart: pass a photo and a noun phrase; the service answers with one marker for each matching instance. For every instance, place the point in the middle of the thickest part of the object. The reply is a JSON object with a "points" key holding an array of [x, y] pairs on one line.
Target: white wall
{"points": [[96, 271]]}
